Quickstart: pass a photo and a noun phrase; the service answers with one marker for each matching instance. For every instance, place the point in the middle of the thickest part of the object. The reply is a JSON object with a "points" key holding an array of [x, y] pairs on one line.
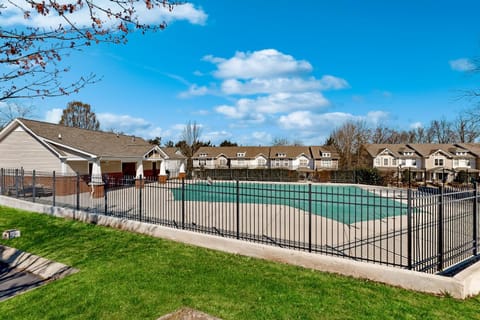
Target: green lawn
{"points": [[129, 276]]}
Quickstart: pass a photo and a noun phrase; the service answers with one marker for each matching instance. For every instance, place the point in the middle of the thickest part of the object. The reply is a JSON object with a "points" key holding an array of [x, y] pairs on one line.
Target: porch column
{"points": [[181, 172], [162, 176], [96, 181], [139, 176]]}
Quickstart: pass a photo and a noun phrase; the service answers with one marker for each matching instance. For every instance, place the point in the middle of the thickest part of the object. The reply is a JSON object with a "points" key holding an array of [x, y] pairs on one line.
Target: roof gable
{"points": [[88, 142]]}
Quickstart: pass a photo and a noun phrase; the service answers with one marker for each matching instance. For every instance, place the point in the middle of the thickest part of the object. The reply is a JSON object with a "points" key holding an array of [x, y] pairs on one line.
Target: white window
{"points": [[326, 163], [203, 155], [261, 162], [240, 154], [202, 162], [455, 162], [326, 154], [222, 161], [303, 163], [385, 162], [394, 162], [241, 162], [281, 155], [438, 162], [377, 162]]}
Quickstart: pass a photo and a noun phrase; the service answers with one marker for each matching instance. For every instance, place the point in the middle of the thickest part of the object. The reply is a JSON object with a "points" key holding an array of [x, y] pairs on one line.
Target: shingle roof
{"points": [[231, 152], [474, 148], [318, 150], [172, 153], [426, 149], [96, 143], [396, 149], [289, 151]]}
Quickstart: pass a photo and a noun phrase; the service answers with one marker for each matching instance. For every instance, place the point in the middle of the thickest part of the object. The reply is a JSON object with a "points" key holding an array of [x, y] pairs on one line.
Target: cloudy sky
{"points": [[250, 71]]}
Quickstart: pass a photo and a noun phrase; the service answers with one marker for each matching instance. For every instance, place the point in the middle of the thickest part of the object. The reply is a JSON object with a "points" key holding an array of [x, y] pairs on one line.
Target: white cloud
{"points": [[129, 125], [194, 91], [298, 120], [216, 137], [262, 137], [375, 117], [12, 16], [254, 109], [282, 84], [329, 82], [307, 120], [462, 64], [54, 115], [416, 125], [258, 64]]}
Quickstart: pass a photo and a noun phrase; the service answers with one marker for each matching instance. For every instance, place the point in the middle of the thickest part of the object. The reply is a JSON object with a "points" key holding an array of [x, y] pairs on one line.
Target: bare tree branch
{"points": [[30, 55]]}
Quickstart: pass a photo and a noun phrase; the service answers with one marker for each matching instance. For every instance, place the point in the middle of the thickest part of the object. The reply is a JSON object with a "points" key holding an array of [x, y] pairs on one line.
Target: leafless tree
{"points": [[10, 111], [79, 115], [442, 131], [348, 139], [280, 141], [465, 129], [31, 55]]}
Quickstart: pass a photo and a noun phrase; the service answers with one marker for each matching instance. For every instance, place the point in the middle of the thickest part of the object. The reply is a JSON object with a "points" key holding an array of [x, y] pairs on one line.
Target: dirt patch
{"points": [[187, 314]]}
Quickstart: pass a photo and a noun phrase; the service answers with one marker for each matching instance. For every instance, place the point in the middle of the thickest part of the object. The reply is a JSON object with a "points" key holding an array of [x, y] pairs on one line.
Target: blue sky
{"points": [[251, 71]]}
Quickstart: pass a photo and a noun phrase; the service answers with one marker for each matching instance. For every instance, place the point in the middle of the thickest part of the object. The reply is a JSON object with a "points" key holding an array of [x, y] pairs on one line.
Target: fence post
{"points": [[238, 209], [78, 191], [16, 183], [22, 184], [140, 199], [33, 185], [309, 217], [2, 181], [183, 203], [53, 188], [440, 230], [409, 229], [475, 221], [105, 191]]}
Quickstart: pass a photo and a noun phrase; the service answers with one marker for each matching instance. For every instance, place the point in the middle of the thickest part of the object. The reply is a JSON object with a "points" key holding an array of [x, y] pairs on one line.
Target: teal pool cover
{"points": [[346, 204]]}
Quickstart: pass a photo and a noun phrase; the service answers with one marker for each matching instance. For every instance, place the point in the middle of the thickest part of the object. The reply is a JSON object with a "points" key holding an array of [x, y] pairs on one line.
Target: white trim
{"points": [[69, 148]]}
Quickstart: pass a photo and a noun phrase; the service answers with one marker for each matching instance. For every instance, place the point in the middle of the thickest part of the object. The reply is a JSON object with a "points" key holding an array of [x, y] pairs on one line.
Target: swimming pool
{"points": [[346, 204]]}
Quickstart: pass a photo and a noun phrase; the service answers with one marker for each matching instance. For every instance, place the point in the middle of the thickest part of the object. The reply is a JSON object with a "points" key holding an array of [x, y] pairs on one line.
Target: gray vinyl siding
{"points": [[19, 149]]}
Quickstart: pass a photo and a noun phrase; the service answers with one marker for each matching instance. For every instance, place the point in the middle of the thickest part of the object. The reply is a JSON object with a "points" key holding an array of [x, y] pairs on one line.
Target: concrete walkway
{"points": [[13, 281]]}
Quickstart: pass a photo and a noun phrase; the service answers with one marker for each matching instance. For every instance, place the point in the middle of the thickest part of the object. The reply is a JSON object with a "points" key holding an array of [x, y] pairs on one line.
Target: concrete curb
{"points": [[463, 285], [44, 268]]}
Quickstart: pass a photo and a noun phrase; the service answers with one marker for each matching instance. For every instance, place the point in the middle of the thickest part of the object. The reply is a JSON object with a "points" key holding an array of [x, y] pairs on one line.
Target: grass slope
{"points": [[129, 276]]}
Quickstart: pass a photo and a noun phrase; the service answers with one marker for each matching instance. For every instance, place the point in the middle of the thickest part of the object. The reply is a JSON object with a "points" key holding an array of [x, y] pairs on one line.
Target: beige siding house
{"points": [[324, 157], [291, 157], [231, 157], [442, 162], [41, 146]]}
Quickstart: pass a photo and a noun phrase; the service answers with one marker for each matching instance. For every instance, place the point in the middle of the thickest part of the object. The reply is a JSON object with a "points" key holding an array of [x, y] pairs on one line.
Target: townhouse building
{"points": [[427, 162]]}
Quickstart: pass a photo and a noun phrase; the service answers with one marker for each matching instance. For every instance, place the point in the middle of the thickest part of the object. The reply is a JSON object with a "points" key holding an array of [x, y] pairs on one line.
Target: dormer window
{"points": [[203, 155], [326, 154], [408, 153], [281, 155], [460, 153], [240, 154]]}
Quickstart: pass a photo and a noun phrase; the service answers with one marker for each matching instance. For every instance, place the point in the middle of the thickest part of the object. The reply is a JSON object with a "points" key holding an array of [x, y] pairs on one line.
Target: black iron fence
{"points": [[431, 230]]}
